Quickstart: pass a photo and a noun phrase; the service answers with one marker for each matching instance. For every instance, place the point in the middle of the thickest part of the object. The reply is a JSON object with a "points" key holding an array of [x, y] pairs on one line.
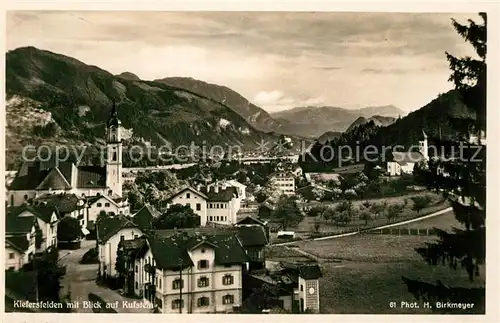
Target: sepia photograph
{"points": [[245, 162]]}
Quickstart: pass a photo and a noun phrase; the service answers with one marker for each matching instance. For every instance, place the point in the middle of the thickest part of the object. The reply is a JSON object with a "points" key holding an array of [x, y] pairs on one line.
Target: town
{"points": [[289, 223]]}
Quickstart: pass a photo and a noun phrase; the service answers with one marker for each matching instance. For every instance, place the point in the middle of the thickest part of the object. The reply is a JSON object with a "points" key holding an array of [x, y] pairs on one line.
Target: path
{"points": [[81, 280], [335, 236]]}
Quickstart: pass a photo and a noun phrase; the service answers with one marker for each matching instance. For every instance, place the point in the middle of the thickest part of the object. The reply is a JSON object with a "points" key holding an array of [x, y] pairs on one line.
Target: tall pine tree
{"points": [[463, 181]]}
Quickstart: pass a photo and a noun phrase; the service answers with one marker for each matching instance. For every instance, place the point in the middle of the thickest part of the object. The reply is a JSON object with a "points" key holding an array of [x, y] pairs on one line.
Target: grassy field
{"points": [[445, 222], [307, 224], [370, 274]]}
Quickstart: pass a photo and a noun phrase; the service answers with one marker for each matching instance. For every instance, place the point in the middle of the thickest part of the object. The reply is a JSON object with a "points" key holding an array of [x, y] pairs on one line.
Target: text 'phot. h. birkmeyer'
{"points": [[245, 162]]}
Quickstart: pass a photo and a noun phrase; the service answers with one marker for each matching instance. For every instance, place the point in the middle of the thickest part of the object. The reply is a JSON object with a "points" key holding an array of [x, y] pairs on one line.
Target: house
{"points": [[130, 249], [110, 231], [297, 285], [36, 177], [20, 244], [250, 220], [254, 238], [284, 181], [214, 204], [111, 205], [46, 221], [145, 216], [240, 188], [66, 204], [191, 274]]}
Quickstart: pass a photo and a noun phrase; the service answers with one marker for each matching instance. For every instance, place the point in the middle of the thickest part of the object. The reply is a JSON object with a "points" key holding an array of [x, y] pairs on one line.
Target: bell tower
{"points": [[114, 154]]}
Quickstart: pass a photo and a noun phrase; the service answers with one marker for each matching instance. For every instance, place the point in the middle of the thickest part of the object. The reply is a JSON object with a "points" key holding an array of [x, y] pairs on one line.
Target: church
{"points": [[37, 178]]}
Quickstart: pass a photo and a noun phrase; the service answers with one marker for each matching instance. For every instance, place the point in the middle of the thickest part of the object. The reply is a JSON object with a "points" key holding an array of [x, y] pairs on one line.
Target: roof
{"points": [[65, 203], [187, 188], [171, 252], [109, 226], [56, 175], [223, 195], [252, 235], [19, 225], [20, 243], [251, 220], [143, 218], [404, 158], [43, 212], [113, 119], [305, 270]]}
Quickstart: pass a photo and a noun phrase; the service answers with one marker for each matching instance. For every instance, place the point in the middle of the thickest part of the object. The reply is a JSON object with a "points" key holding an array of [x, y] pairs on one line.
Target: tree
{"points": [[378, 209], [316, 211], [177, 216], [420, 203], [68, 229], [393, 211], [318, 193], [316, 225], [287, 212], [463, 183], [344, 213], [265, 297], [366, 216], [120, 264]]}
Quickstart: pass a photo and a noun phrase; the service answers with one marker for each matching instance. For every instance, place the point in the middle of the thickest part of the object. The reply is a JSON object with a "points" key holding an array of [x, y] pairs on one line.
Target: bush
{"points": [[68, 229], [90, 257]]}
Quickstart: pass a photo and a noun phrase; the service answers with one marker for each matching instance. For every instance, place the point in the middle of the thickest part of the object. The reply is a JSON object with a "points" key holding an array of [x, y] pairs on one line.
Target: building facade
{"points": [[284, 181]]}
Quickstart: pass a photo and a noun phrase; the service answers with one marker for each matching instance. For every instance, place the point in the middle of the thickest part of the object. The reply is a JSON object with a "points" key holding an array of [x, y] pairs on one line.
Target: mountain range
{"points": [[53, 98], [315, 121], [377, 120]]}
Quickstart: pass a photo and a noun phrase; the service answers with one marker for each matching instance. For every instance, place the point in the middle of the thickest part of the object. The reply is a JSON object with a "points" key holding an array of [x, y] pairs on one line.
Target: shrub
{"points": [[90, 257]]}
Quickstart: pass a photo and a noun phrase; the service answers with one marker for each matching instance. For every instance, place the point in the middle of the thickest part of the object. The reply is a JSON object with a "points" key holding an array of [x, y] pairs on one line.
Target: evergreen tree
{"points": [[463, 182]]}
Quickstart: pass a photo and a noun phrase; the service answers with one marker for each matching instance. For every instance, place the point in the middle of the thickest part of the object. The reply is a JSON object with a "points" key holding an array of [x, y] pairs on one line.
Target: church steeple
{"points": [[113, 118]]}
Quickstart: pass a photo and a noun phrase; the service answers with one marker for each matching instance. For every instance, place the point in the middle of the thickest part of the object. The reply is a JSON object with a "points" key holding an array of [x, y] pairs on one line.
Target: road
{"points": [[80, 280]]}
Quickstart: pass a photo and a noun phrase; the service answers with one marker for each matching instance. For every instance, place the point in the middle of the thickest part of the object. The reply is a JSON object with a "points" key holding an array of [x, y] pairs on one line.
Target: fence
{"points": [[405, 231]]}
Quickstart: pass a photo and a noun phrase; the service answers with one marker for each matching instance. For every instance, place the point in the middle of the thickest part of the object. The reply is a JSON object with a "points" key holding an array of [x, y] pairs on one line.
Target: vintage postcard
{"points": [[246, 162]]}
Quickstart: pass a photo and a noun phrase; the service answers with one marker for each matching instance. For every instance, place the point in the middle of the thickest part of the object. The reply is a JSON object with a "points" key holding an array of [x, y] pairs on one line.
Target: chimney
{"points": [[198, 187], [216, 187]]}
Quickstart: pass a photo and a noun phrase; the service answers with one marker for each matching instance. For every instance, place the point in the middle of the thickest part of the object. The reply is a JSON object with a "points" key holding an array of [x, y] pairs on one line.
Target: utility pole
{"points": [[181, 282]]}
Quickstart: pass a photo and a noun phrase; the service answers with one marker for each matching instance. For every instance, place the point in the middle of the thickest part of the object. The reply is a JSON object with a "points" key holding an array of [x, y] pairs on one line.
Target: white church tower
{"points": [[424, 146], [114, 154]]}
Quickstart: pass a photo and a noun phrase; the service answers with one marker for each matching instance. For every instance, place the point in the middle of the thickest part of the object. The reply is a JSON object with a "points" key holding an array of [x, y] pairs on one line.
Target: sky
{"points": [[277, 60]]}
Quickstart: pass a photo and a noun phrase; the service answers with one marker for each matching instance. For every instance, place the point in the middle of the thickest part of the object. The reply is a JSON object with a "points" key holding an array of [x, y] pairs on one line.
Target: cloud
{"points": [[276, 101]]}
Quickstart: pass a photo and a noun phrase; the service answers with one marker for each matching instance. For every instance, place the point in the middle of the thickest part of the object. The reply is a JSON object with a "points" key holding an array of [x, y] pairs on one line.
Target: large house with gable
{"points": [[214, 204], [20, 235], [186, 273], [110, 231], [36, 177]]}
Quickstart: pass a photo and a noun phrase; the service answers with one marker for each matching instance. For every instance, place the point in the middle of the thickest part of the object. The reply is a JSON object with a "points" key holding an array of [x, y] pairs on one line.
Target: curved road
{"points": [[80, 279]]}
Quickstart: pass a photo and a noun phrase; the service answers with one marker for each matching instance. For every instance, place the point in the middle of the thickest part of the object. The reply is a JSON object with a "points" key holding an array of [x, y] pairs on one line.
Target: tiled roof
{"points": [[133, 244], [65, 203], [18, 225], [18, 242], [57, 176], [185, 188], [108, 227], [170, 252], [223, 195], [252, 235], [91, 177], [305, 270], [251, 220], [43, 212], [54, 180], [144, 217]]}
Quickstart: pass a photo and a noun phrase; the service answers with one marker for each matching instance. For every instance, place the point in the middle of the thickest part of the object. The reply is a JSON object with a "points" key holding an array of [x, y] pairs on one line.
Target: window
{"points": [[122, 237], [106, 204], [11, 268], [227, 265], [202, 264], [159, 283], [203, 282], [202, 250], [26, 197], [227, 280], [11, 255], [136, 285], [114, 156], [198, 207], [99, 204], [136, 268], [188, 195], [177, 303], [110, 192], [178, 284], [301, 288], [228, 299], [203, 301]]}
